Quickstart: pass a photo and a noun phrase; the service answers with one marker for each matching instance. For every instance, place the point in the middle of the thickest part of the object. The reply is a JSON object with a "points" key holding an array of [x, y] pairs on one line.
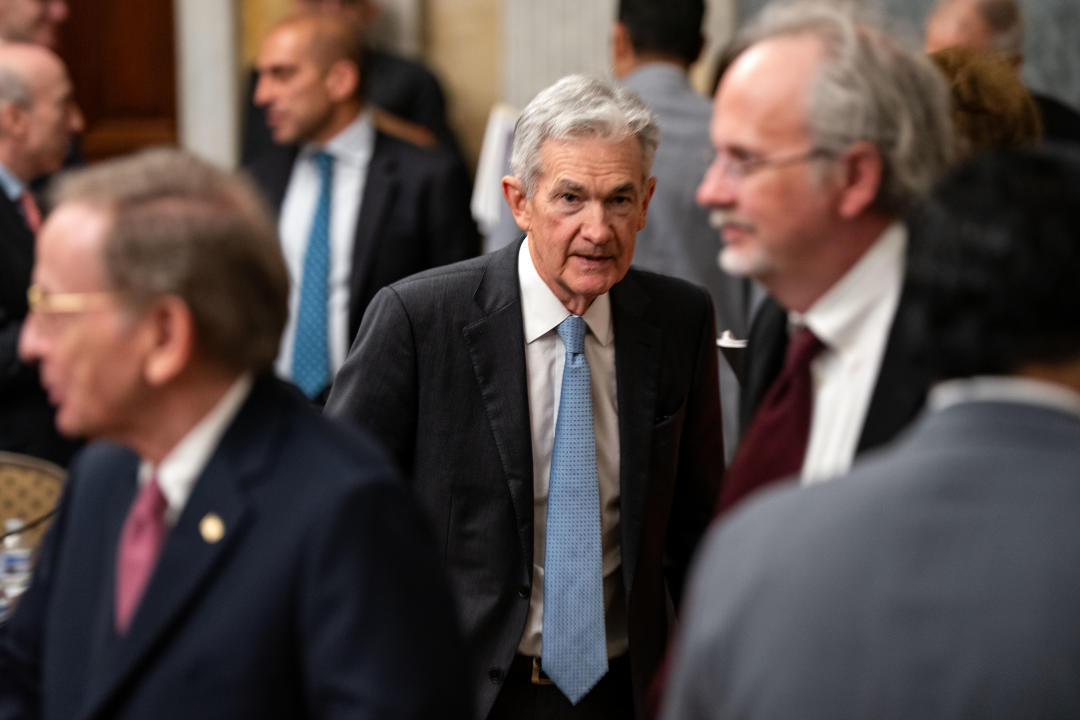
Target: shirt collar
{"points": [[838, 316], [10, 184], [989, 388], [542, 312], [354, 145], [178, 471]]}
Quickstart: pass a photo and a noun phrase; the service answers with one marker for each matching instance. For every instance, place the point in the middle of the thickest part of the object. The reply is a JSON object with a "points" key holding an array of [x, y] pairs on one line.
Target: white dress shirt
{"points": [[853, 320], [180, 469], [351, 149], [545, 355]]}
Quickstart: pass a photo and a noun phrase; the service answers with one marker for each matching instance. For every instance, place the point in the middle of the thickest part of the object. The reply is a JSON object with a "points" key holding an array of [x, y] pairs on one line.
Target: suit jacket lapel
{"points": [[188, 560], [899, 393], [380, 186], [763, 359], [496, 346], [637, 360]]}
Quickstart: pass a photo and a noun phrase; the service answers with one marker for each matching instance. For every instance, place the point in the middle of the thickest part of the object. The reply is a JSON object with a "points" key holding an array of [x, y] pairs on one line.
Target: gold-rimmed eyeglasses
{"points": [[46, 303], [738, 166]]}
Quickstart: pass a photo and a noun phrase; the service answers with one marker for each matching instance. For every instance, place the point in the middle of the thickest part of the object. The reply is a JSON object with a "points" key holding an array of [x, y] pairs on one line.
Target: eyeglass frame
{"points": [[42, 303], [738, 169]]}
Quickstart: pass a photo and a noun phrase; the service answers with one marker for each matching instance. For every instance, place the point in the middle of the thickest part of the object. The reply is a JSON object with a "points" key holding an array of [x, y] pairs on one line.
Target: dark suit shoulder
{"points": [[667, 286]]}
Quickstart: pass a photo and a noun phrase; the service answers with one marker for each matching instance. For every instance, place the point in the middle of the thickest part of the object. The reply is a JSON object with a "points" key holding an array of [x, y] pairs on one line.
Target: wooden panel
{"points": [[122, 61]]}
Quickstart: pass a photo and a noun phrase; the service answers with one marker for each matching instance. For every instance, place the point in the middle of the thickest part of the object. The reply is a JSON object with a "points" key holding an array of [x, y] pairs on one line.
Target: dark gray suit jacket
{"points": [[938, 580], [437, 373]]}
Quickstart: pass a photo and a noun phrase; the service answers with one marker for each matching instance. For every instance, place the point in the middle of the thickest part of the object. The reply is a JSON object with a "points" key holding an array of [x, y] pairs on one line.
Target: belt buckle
{"points": [[538, 676]]}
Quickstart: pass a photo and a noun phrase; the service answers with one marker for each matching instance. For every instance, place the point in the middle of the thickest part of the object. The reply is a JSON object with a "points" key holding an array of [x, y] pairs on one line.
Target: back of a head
{"points": [[993, 261], [182, 227], [579, 106], [873, 85], [664, 28], [991, 108]]}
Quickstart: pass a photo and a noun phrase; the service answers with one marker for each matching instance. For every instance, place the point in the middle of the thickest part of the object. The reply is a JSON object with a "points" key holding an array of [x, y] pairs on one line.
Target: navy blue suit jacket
{"points": [[323, 599]]}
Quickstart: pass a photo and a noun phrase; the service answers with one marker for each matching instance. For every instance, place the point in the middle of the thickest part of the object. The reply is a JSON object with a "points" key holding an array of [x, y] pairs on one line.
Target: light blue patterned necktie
{"points": [[574, 645], [311, 354]]}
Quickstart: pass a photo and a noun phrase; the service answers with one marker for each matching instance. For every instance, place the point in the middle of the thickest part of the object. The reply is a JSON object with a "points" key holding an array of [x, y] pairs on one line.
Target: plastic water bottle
{"points": [[15, 569]]}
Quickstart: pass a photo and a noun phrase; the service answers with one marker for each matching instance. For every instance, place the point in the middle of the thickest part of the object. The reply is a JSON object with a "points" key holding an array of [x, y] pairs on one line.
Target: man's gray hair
{"points": [[580, 106], [179, 226], [14, 88], [870, 86]]}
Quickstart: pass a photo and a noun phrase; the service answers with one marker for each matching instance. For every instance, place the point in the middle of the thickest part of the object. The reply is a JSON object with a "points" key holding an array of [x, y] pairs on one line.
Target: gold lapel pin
{"points": [[212, 528]]}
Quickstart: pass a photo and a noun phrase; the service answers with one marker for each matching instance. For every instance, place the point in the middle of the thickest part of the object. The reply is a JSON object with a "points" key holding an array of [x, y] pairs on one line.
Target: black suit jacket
{"points": [[1061, 123], [898, 395], [26, 418], [414, 214], [438, 374], [323, 599]]}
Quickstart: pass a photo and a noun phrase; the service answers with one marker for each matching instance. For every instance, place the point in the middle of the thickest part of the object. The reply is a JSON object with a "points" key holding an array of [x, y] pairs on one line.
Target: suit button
{"points": [[523, 591], [495, 675]]}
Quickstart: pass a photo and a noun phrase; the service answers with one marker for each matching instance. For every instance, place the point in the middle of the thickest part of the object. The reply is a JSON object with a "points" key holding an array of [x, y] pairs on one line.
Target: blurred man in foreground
{"points": [[826, 129], [222, 552], [939, 579]]}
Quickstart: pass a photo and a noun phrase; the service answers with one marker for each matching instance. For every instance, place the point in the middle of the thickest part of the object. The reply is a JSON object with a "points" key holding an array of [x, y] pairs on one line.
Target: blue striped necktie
{"points": [[311, 354], [574, 645]]}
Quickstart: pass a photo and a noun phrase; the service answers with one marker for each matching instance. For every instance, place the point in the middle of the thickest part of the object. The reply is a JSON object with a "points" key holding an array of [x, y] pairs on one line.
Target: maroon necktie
{"points": [[30, 210], [774, 445], [144, 531]]}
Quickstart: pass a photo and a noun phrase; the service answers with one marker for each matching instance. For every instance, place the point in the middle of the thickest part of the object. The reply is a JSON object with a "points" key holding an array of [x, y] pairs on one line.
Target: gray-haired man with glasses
{"points": [[825, 128]]}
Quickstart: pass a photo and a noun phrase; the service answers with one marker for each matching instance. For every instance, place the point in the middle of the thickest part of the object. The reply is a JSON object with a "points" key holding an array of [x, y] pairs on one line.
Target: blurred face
{"points": [[587, 206], [767, 200], [34, 21], [293, 88], [89, 347], [958, 23], [52, 118]]}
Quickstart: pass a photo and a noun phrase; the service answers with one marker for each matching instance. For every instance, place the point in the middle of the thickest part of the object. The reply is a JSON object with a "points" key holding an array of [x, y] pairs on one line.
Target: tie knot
{"points": [[150, 500], [324, 161], [572, 332], [802, 348]]}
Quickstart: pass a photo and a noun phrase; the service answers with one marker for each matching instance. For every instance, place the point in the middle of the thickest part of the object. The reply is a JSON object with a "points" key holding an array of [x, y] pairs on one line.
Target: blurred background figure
{"points": [[221, 551], [653, 46], [938, 579], [991, 108], [32, 21], [38, 118], [357, 208], [826, 129], [407, 93], [997, 26]]}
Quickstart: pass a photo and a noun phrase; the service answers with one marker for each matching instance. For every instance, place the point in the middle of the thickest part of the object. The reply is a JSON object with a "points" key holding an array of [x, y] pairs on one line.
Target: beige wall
{"points": [[463, 46], [486, 51]]}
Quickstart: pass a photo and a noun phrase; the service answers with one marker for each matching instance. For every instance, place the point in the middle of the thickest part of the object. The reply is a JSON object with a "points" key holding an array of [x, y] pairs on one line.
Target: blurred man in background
{"points": [[38, 117]]}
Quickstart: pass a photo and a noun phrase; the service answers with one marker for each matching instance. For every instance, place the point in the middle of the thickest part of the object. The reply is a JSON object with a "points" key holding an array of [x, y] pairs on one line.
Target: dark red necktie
{"points": [[774, 445], [140, 542]]}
